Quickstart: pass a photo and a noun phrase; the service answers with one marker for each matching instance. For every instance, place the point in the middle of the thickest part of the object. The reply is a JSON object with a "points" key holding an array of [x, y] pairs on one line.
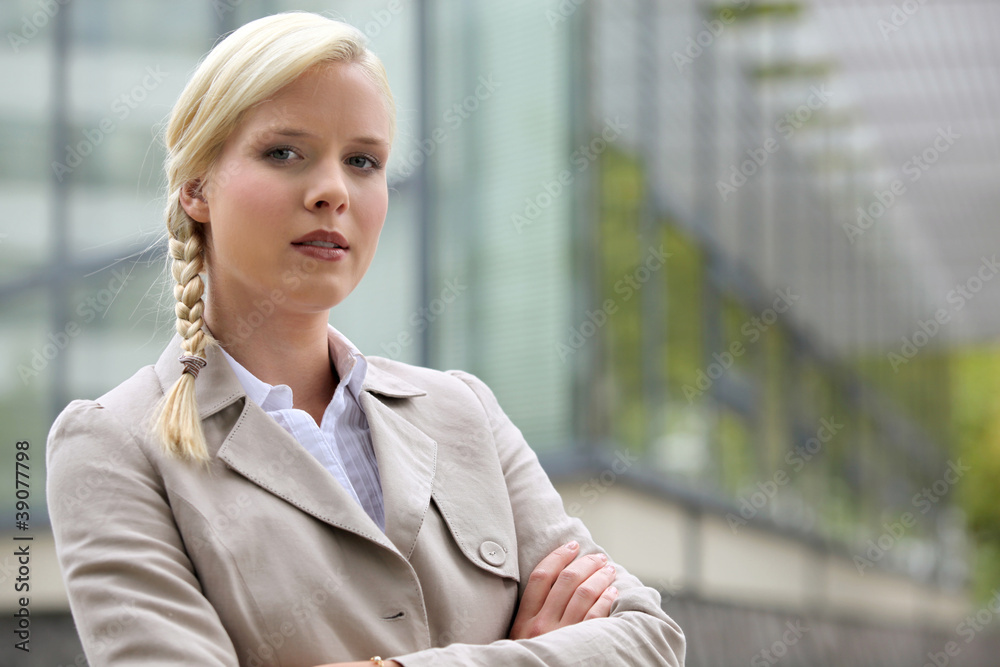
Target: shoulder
{"points": [[454, 393], [106, 430], [134, 397], [131, 402]]}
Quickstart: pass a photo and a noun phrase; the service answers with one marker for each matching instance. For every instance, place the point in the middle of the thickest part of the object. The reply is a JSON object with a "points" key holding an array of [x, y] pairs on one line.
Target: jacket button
{"points": [[492, 553]]}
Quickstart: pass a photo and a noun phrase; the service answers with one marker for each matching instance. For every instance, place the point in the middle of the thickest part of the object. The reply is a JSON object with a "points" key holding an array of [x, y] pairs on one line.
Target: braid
{"points": [[188, 263], [178, 424]]}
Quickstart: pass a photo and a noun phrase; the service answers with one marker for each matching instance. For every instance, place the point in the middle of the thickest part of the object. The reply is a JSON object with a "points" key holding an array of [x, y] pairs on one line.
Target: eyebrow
{"points": [[373, 141], [298, 132], [283, 131]]}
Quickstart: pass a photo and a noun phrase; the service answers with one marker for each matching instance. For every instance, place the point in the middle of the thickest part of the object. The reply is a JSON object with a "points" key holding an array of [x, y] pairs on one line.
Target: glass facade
{"points": [[626, 217], [560, 224], [750, 363]]}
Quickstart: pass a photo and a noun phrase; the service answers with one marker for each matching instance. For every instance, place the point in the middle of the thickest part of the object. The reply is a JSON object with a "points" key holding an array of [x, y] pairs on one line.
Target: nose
{"points": [[328, 189]]}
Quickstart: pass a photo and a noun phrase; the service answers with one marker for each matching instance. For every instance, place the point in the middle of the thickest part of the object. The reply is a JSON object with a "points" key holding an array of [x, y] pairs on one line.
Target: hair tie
{"points": [[192, 364]]}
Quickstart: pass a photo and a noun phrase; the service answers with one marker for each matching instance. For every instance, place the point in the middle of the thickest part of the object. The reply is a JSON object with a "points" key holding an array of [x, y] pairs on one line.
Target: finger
{"points": [[565, 587], [587, 594], [602, 608], [542, 578]]}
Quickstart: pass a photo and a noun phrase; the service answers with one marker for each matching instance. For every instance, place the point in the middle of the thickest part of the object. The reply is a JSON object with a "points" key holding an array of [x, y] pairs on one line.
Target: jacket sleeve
{"points": [[637, 632], [132, 589]]}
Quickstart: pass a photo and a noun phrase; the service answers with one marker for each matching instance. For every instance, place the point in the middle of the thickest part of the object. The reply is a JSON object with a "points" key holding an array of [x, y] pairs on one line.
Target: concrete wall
{"points": [[696, 553], [674, 549]]}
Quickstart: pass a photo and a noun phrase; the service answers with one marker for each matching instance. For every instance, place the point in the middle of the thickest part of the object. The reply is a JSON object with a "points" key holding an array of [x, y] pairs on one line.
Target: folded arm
{"points": [[637, 630]]}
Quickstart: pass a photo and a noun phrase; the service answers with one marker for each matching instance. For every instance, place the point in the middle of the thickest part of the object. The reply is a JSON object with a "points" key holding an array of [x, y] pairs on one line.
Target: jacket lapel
{"points": [[271, 458], [265, 454], [406, 463]]}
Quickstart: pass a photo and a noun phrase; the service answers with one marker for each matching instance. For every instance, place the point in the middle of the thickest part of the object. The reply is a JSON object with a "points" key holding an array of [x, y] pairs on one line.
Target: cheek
{"points": [[249, 204], [375, 205], [244, 205], [376, 209], [255, 194]]}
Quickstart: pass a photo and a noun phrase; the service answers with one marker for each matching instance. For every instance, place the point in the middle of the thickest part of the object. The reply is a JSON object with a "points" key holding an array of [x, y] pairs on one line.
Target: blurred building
{"points": [[708, 256]]}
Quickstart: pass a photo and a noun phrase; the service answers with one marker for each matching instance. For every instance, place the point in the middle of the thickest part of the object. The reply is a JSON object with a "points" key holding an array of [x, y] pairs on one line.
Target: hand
{"points": [[562, 591]]}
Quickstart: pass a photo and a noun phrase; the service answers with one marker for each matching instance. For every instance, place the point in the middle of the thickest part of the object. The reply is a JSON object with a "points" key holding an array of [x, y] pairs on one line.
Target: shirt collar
{"points": [[351, 365]]}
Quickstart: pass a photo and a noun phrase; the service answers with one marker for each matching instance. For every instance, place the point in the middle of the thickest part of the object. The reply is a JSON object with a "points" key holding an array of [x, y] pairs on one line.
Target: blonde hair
{"points": [[249, 66]]}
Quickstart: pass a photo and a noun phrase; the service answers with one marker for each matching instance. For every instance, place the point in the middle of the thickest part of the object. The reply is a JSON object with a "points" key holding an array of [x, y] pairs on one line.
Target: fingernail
{"points": [[573, 546], [613, 591], [610, 569], [603, 558]]}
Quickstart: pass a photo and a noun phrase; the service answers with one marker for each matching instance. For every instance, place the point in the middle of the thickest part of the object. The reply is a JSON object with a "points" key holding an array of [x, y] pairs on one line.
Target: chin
{"points": [[317, 300]]}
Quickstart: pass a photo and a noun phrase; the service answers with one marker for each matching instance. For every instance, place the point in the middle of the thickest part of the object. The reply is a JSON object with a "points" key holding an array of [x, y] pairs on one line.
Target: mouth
{"points": [[322, 238], [321, 244]]}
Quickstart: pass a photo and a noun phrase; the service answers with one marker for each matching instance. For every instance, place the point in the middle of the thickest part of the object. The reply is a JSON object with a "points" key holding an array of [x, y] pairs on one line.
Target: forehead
{"points": [[327, 98]]}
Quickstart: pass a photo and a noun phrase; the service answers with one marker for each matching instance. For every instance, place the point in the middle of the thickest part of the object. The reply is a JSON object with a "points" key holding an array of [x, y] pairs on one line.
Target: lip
{"points": [[324, 254], [326, 235]]}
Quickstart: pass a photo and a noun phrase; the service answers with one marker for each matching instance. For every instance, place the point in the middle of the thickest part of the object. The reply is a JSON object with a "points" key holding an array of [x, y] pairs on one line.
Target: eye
{"points": [[281, 154], [363, 161]]}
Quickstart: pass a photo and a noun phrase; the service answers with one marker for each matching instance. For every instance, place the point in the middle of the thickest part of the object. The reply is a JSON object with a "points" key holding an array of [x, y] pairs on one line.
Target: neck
{"points": [[280, 348]]}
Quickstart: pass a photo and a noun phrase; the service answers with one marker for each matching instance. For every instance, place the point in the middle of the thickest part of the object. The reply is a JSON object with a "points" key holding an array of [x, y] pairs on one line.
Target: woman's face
{"points": [[304, 170]]}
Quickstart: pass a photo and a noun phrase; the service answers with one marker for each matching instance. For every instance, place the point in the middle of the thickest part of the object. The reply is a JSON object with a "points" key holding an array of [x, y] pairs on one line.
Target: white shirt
{"points": [[343, 444]]}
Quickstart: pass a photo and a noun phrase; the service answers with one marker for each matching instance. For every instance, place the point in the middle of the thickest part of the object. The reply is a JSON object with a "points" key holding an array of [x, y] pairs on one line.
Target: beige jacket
{"points": [[264, 559]]}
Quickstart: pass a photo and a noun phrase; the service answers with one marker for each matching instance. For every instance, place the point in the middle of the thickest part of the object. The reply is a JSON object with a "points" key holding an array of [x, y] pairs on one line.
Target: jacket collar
{"points": [[256, 447], [217, 385]]}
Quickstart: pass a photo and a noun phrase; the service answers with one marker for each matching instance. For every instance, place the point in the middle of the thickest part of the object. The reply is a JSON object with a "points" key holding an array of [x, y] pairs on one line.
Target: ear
{"points": [[194, 202]]}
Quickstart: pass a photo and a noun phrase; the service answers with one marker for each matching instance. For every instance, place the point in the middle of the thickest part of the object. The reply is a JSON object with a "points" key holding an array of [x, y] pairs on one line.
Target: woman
{"points": [[265, 494]]}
